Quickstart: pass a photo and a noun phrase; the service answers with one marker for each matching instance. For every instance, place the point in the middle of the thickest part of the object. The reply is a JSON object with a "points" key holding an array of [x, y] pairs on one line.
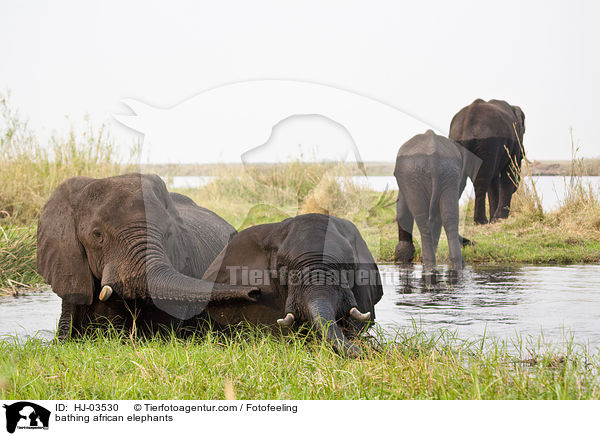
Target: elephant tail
{"points": [[434, 201]]}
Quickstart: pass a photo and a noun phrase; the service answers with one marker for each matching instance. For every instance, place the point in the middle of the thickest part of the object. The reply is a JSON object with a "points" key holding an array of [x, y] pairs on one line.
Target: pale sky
{"points": [[427, 58]]}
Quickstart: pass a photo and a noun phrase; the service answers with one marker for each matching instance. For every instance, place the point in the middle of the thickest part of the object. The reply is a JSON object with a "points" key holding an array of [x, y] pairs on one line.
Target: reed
{"points": [[30, 171]]}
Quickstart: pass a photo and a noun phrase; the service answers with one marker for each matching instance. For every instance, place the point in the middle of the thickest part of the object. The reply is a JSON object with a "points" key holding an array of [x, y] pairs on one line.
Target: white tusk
{"points": [[287, 321], [358, 315], [105, 293]]}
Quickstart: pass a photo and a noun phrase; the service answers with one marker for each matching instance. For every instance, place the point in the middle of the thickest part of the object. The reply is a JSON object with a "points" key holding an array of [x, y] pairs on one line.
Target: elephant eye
{"points": [[97, 234]]}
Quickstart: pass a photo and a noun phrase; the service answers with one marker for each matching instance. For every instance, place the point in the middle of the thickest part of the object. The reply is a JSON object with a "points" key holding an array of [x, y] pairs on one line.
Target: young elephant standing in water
{"points": [[312, 268], [431, 172]]}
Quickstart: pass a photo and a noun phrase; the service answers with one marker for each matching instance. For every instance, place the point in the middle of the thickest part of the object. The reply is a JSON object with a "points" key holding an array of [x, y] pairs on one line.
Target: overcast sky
{"points": [[428, 58]]}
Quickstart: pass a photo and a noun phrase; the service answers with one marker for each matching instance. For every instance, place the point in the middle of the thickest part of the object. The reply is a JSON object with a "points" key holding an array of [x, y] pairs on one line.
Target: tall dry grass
{"points": [[579, 210], [247, 195], [580, 204], [30, 171]]}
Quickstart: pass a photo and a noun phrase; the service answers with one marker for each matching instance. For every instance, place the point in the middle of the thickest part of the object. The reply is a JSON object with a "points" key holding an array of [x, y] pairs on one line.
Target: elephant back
{"points": [[429, 144], [482, 120], [204, 233]]}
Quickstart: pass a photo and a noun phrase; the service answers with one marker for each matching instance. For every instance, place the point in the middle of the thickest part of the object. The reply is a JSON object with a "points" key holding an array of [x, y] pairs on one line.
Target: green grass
{"points": [[255, 365]]}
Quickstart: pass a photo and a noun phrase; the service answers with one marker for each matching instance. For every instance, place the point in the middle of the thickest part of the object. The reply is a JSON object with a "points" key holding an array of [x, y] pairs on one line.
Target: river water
{"points": [[553, 302]]}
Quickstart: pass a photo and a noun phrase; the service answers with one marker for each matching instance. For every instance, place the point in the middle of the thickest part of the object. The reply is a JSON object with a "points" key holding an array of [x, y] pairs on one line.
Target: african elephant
{"points": [[431, 172], [313, 269], [124, 249], [493, 131]]}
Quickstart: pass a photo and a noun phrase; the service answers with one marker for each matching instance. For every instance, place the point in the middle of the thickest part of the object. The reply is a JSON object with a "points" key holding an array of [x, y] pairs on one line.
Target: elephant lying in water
{"points": [[313, 268], [123, 247], [431, 172], [493, 131]]}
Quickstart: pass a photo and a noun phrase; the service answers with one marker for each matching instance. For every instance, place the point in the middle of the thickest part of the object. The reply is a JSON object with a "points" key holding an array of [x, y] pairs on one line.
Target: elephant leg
{"points": [[67, 323], [493, 194], [405, 249], [488, 150], [449, 213], [427, 245], [507, 189], [481, 188]]}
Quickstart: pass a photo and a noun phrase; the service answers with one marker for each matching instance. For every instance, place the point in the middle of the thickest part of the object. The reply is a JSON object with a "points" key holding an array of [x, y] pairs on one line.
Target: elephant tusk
{"points": [[358, 315], [105, 293], [287, 321]]}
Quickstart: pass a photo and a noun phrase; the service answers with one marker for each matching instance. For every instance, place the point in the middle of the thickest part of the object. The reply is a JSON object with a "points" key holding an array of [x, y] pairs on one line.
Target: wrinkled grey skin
{"points": [[313, 243], [431, 172], [494, 132], [150, 246]]}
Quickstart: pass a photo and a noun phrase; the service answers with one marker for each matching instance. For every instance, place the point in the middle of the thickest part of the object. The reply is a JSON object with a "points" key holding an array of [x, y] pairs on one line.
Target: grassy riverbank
{"points": [[255, 366], [570, 234]]}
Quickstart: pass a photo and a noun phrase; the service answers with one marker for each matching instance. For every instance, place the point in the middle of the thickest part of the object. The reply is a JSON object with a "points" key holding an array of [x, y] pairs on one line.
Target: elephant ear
{"points": [[61, 258], [367, 287], [250, 249], [470, 166], [520, 122]]}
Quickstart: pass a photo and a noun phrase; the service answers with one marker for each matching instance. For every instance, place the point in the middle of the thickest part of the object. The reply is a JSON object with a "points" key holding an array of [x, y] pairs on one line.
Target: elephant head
{"points": [[313, 268], [123, 235]]}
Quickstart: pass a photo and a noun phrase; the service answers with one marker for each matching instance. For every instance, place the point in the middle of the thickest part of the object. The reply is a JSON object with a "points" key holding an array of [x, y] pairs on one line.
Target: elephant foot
{"points": [[481, 221], [454, 275], [405, 252], [429, 277]]}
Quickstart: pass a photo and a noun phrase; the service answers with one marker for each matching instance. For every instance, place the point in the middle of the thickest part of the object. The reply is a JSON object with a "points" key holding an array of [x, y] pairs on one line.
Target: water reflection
{"points": [[496, 301]]}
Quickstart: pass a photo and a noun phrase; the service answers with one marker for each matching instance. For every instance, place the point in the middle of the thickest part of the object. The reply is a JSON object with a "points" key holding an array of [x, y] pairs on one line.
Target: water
{"points": [[35, 313], [550, 188], [501, 302]]}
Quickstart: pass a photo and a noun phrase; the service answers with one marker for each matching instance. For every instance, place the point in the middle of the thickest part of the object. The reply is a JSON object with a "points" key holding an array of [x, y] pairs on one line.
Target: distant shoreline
{"points": [[588, 167]]}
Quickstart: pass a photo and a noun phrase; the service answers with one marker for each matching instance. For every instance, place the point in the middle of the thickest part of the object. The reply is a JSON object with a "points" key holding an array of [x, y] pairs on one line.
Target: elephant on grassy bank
{"points": [[493, 131], [431, 172], [124, 250], [312, 269]]}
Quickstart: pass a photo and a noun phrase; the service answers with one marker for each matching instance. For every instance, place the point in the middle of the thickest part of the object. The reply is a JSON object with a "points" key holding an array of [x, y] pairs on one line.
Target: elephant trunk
{"points": [[167, 284], [179, 295], [322, 316]]}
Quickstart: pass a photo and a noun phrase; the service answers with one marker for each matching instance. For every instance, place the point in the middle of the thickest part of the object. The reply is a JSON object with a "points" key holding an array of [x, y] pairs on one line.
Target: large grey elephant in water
{"points": [[125, 250], [431, 172], [493, 131], [312, 269]]}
